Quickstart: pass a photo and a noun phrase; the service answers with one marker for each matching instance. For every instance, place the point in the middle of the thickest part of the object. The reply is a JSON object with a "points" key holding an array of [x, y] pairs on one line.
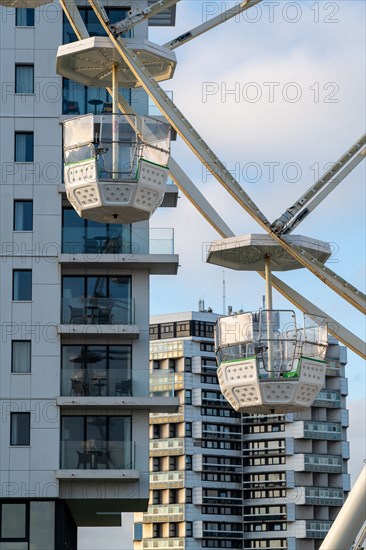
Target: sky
{"points": [[278, 94]]}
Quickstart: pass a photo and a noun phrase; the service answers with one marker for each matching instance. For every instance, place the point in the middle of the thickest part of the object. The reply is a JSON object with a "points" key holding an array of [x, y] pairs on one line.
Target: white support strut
{"points": [[210, 24], [137, 15], [350, 518]]}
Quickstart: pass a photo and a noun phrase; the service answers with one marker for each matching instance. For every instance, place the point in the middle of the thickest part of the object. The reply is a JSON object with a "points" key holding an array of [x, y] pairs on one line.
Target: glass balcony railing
{"points": [[95, 382], [164, 513], [167, 447], [173, 543], [94, 242], [97, 311], [329, 399], [323, 430], [94, 455], [317, 529], [323, 463], [166, 480], [323, 495]]}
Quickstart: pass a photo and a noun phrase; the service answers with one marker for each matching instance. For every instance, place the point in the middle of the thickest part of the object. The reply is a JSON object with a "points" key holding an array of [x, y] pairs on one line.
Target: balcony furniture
{"points": [[105, 315], [107, 108], [92, 313], [99, 381], [95, 103], [84, 458], [77, 316], [78, 387], [124, 388], [103, 458], [71, 107]]}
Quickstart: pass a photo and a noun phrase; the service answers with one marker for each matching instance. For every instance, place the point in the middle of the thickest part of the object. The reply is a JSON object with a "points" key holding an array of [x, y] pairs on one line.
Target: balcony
{"points": [[322, 430], [164, 513], [317, 529], [167, 447], [162, 383], [329, 399], [92, 382], [167, 480], [94, 242], [163, 418], [174, 543], [97, 311], [97, 455], [323, 463], [323, 496]]}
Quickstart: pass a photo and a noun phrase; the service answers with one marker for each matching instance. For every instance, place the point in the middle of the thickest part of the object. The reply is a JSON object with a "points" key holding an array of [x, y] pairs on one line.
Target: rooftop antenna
{"points": [[223, 293]]}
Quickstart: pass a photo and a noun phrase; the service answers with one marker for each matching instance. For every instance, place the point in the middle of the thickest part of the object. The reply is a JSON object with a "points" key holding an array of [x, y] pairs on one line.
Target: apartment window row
{"points": [[209, 379], [220, 510], [213, 543], [214, 476], [220, 463], [264, 511], [269, 493], [271, 479], [182, 329], [260, 527], [26, 525], [265, 428], [280, 544], [224, 445], [265, 461], [157, 531], [224, 413]]}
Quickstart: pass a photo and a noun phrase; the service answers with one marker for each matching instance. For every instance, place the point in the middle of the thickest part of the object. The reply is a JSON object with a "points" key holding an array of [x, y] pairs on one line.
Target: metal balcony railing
{"points": [[97, 454]]}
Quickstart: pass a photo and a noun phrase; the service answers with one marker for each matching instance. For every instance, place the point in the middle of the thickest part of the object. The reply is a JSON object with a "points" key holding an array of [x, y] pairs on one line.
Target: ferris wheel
{"points": [[116, 169]]}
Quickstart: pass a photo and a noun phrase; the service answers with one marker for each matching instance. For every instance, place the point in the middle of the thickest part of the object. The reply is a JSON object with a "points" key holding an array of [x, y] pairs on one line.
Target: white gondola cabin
{"points": [[115, 166], [268, 363]]}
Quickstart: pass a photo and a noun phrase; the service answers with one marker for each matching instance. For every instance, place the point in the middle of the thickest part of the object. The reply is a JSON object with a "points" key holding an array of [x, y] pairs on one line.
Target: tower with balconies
{"points": [[74, 377]]}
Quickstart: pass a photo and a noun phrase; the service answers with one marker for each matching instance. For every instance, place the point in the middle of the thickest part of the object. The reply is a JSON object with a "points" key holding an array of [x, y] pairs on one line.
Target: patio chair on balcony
{"points": [[77, 316], [78, 387], [84, 459], [103, 458], [105, 315], [124, 388]]}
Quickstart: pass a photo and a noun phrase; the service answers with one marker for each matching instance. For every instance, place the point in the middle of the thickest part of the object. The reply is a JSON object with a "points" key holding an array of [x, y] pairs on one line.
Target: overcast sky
{"points": [[296, 73]]}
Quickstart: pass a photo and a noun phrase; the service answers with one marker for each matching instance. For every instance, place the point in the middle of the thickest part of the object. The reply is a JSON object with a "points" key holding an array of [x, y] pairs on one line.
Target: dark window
{"points": [[24, 147], [188, 397], [188, 462], [156, 365], [188, 429], [157, 530], [24, 79], [156, 465], [13, 524], [22, 285], [20, 428], [173, 529], [23, 215], [24, 17], [137, 531], [183, 328], [21, 356], [172, 364], [173, 430], [207, 347], [173, 496], [156, 429], [189, 529], [188, 496], [156, 497], [172, 463], [188, 364], [154, 332]]}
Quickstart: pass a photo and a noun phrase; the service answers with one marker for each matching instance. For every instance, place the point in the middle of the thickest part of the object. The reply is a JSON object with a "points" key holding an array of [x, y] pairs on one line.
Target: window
{"points": [[188, 364], [188, 496], [172, 463], [156, 466], [13, 521], [20, 428], [21, 356], [23, 216], [157, 530], [173, 430], [24, 79], [137, 531], [156, 497], [188, 397], [188, 462], [173, 529], [24, 17], [156, 365], [24, 147], [172, 365], [22, 285], [189, 529], [156, 431], [188, 429]]}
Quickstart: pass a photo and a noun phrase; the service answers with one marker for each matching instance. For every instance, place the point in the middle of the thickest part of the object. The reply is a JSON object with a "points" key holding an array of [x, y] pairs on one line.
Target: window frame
{"points": [[26, 133], [27, 521], [12, 356], [16, 82], [17, 201], [27, 13], [13, 286], [12, 416]]}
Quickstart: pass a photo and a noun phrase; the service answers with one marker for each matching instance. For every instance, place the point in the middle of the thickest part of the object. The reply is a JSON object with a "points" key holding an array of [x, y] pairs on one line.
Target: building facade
{"points": [[74, 374], [220, 479]]}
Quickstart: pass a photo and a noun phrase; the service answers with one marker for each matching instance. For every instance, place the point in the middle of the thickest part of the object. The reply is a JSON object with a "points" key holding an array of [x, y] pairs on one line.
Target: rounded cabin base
{"points": [[252, 392]]}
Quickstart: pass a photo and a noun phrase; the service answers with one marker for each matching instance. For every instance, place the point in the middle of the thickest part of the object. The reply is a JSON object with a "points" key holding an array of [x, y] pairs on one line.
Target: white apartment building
{"points": [[74, 295], [219, 479]]}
